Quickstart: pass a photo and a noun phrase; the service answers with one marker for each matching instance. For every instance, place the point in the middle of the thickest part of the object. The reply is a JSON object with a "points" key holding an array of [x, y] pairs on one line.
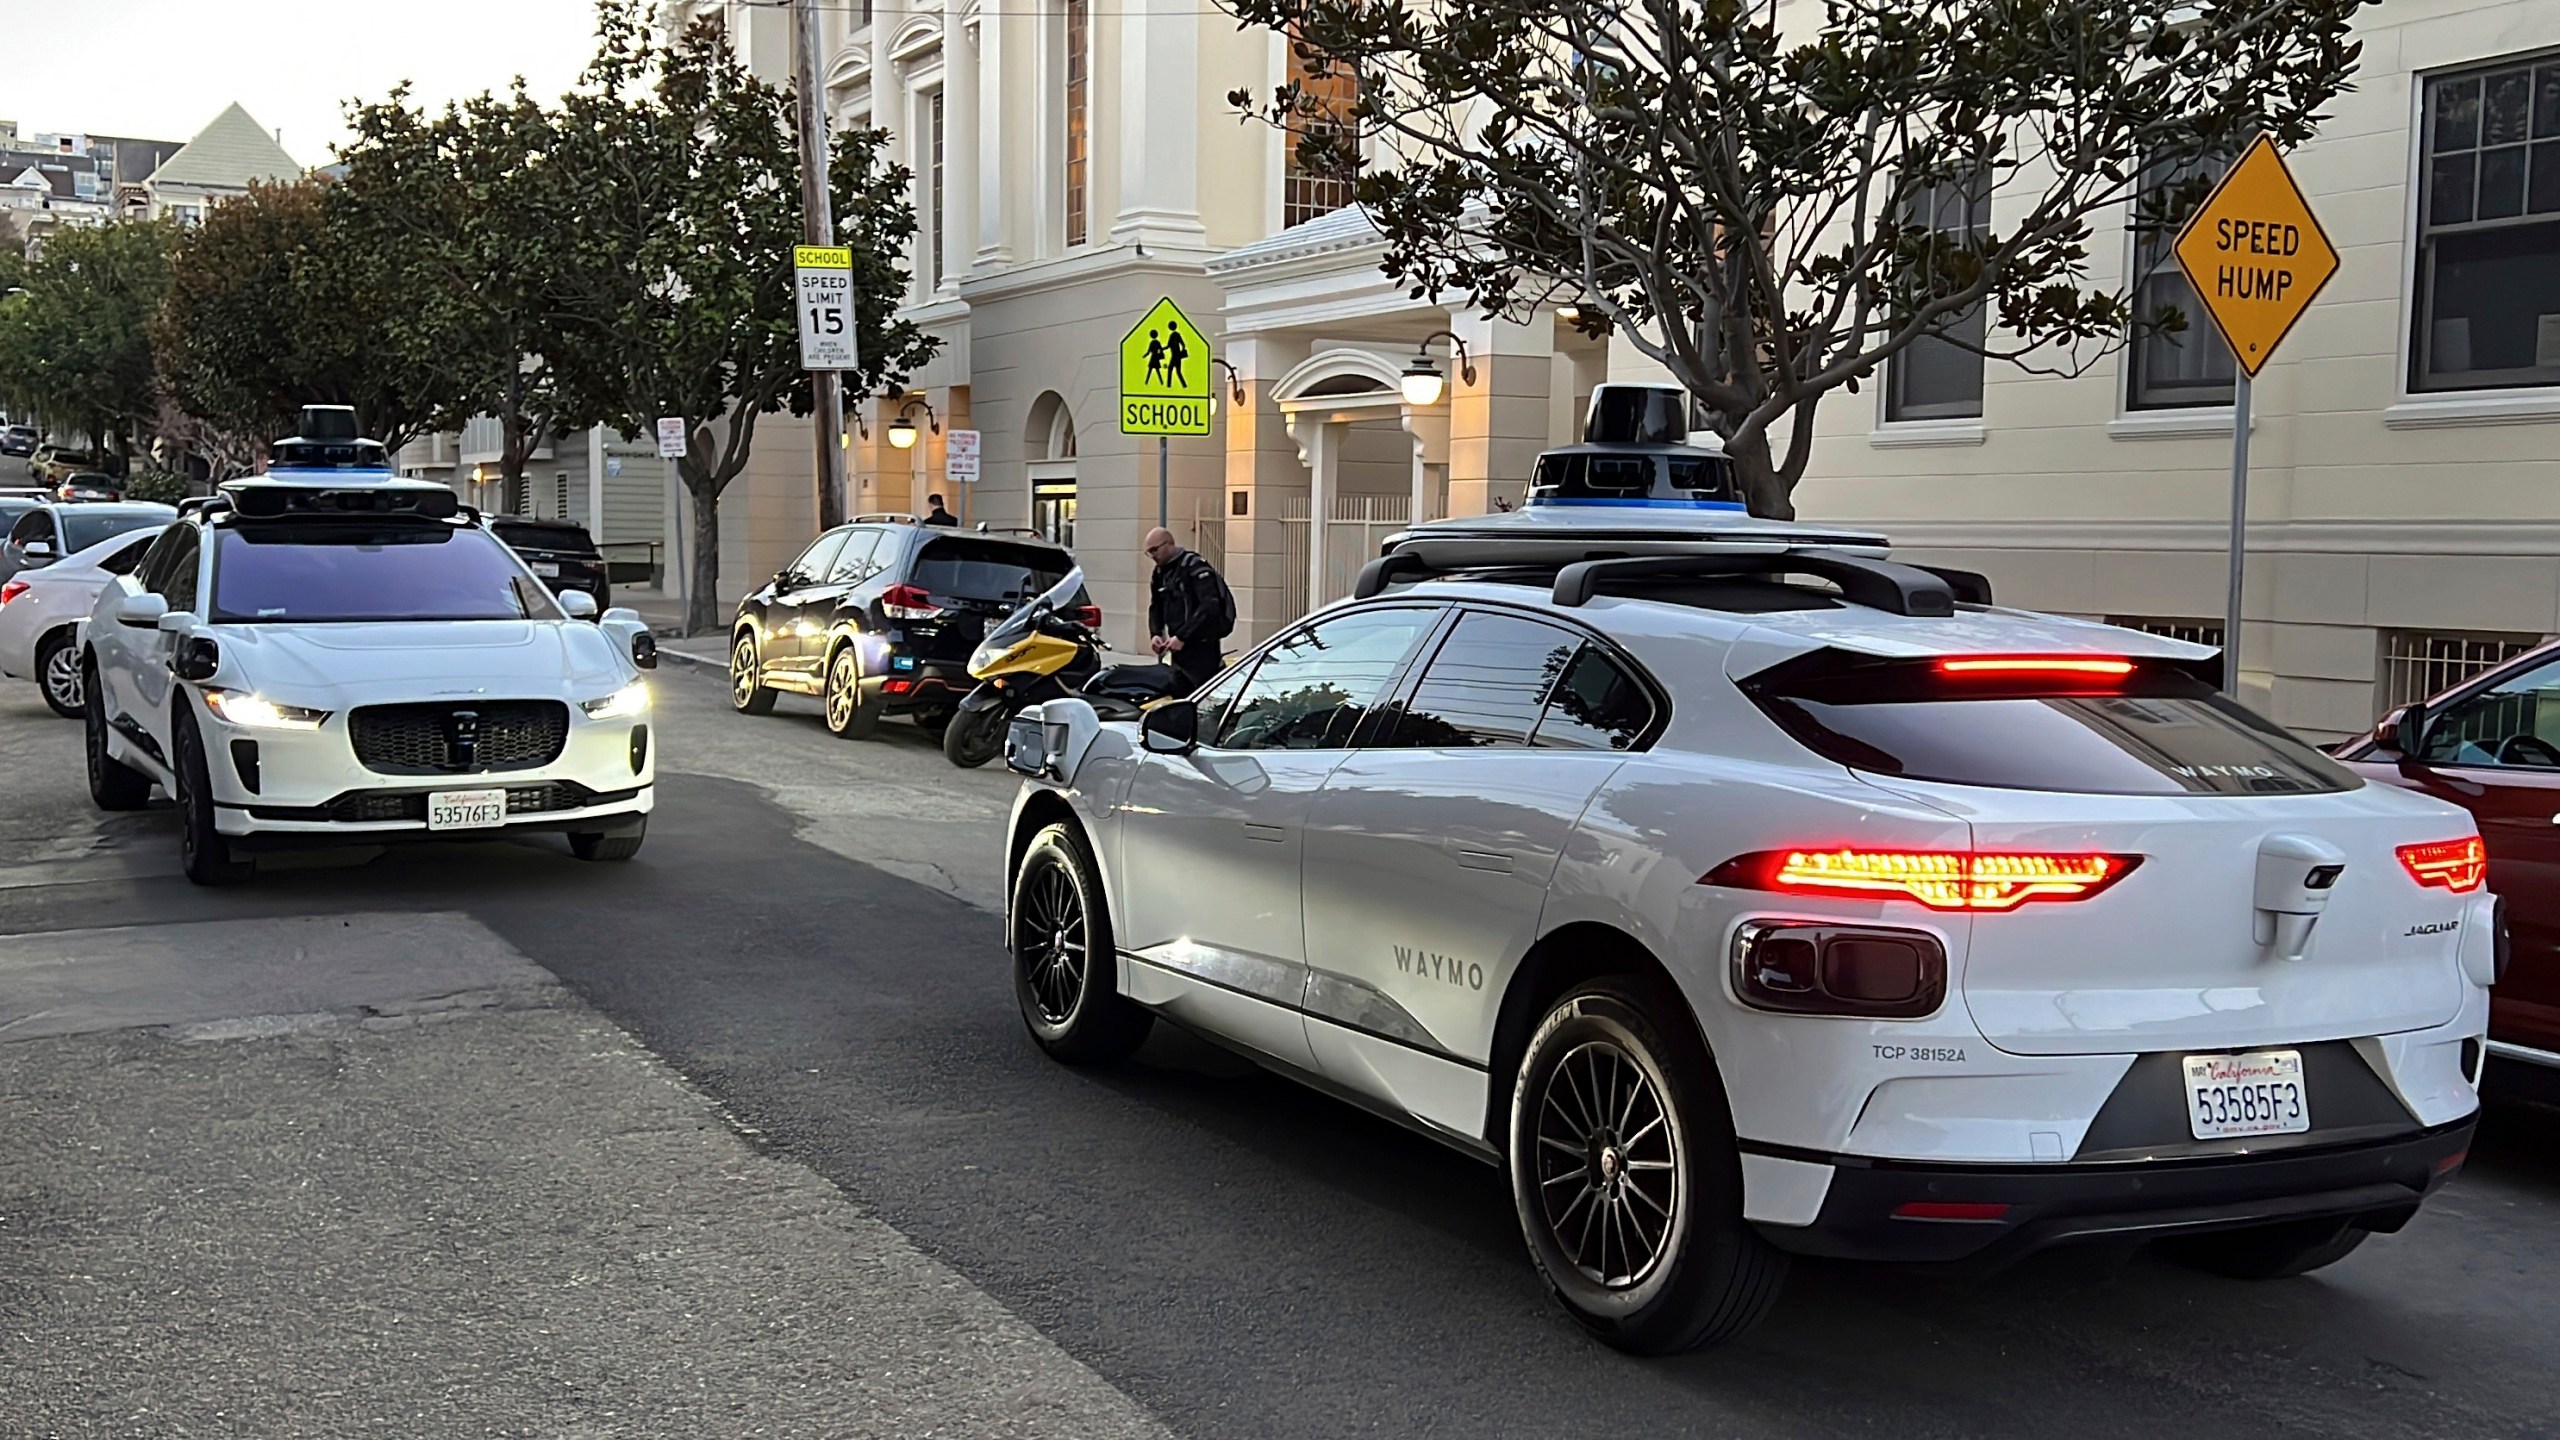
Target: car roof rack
{"points": [[885, 517]]}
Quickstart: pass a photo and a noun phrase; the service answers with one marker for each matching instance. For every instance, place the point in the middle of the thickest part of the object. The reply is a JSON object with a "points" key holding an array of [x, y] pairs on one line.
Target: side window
{"points": [[814, 562], [178, 580], [853, 562], [1311, 689], [154, 568], [123, 561], [34, 525], [1486, 685], [2515, 722], [1597, 706], [1214, 700]]}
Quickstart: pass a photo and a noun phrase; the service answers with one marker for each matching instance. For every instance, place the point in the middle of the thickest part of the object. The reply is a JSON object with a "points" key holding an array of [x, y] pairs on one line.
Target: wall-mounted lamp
{"points": [[1235, 382], [1568, 313], [1423, 383], [902, 431]]}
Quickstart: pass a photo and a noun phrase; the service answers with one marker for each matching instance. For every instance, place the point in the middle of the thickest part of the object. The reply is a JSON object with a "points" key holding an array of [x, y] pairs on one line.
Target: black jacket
{"points": [[941, 516], [1185, 601]]}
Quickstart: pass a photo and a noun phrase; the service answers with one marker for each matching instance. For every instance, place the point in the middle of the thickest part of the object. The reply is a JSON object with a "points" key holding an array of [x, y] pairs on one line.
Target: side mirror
{"points": [[1172, 728], [577, 604], [141, 611], [2404, 729], [37, 549]]}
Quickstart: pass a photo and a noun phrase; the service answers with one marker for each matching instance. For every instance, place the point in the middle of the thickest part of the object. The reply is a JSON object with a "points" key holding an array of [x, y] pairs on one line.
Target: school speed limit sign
{"points": [[824, 279]]}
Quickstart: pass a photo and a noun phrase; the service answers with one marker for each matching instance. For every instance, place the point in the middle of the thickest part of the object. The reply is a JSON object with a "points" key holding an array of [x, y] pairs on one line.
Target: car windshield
{"points": [[1065, 595], [304, 572], [80, 529]]}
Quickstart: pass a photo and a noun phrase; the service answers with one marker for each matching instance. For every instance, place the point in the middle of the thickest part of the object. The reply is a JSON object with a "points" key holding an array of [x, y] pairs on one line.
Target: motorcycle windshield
{"points": [[1009, 631]]}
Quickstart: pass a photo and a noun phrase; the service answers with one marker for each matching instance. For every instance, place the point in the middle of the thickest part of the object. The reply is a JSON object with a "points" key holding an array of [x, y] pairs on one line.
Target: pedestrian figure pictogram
{"points": [[1164, 375]]}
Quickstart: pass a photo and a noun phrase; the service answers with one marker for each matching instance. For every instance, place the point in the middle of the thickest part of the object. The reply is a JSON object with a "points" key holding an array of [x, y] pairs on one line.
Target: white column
{"points": [[595, 484], [1158, 149], [1319, 440], [960, 157], [1002, 105]]}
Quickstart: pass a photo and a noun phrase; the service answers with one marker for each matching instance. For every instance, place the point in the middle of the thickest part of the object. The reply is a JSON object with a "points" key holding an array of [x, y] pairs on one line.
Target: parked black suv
{"points": [[878, 618], [560, 551]]}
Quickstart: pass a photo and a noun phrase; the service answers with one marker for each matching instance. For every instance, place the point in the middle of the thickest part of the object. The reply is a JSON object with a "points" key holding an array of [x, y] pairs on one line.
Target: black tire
{"points": [[594, 845], [850, 715], [975, 737], [1066, 976], [113, 784], [2268, 1252], [1620, 1133], [748, 694], [203, 853], [58, 674]]}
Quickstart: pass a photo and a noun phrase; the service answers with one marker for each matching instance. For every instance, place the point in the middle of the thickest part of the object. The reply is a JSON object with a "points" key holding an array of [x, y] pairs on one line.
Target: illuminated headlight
{"points": [[257, 712], [631, 699]]}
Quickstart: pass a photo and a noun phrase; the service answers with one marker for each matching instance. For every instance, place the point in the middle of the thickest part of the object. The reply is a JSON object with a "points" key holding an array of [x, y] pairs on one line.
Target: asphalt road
{"points": [[806, 940]]}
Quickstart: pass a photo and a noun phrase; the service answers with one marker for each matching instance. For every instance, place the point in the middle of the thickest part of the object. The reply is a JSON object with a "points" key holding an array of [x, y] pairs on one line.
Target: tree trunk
{"points": [[701, 598], [1756, 472]]}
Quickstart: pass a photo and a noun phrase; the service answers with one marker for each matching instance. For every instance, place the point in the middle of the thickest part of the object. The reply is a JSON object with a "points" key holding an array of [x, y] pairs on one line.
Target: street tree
{"points": [[75, 336], [677, 297], [1761, 202], [461, 210], [275, 302]]}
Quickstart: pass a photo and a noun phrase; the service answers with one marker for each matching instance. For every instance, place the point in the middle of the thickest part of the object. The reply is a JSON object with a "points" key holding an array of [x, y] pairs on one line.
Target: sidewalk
{"points": [[665, 615]]}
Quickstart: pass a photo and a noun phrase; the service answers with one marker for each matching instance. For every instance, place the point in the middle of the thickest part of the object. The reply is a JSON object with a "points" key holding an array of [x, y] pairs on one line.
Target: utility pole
{"points": [[818, 227]]}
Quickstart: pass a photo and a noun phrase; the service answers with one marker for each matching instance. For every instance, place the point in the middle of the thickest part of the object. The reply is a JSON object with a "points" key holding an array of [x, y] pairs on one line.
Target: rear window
{"points": [[304, 571], [2159, 730], [83, 529], [975, 569], [560, 539]]}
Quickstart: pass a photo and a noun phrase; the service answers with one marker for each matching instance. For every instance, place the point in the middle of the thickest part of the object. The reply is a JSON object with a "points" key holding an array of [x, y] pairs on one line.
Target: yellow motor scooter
{"points": [[1051, 647]]}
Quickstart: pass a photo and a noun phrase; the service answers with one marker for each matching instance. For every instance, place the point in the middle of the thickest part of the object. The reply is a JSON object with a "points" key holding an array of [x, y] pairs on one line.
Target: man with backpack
{"points": [[1189, 609]]}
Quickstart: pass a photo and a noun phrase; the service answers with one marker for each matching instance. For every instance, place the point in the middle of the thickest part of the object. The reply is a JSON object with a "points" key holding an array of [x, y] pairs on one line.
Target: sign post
{"points": [[2255, 256], [960, 464], [1164, 388]]}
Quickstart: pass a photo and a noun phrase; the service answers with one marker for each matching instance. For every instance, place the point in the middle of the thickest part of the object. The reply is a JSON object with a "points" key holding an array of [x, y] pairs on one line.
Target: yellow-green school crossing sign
{"points": [[1164, 375]]}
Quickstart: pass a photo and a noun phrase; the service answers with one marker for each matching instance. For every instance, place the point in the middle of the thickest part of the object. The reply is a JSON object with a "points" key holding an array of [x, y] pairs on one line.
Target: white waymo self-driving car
{"points": [[326, 654], [1744, 893]]}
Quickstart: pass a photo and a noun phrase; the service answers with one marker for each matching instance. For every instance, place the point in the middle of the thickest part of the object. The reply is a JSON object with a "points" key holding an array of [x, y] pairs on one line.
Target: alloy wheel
{"points": [[742, 670], [1050, 943], [1608, 1164], [844, 690], [62, 678]]}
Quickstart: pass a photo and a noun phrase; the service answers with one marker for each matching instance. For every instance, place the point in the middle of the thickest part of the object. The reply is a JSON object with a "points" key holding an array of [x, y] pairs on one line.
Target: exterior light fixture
{"points": [[1235, 384], [1568, 313], [1423, 384], [902, 431]]}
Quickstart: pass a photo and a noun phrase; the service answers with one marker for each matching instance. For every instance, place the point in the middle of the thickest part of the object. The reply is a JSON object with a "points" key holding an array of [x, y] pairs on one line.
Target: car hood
{"points": [[332, 666]]}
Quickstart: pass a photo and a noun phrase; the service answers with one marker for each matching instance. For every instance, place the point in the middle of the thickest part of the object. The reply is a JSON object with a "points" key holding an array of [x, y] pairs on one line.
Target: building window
{"points": [[2420, 663], [1939, 375], [934, 211], [1079, 141], [1325, 97], [2195, 630], [2488, 278], [2190, 366]]}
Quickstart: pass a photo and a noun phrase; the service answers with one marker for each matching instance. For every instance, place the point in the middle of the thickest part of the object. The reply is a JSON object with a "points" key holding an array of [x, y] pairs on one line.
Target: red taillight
{"points": [[2457, 865], [1949, 1210], [1089, 616], [908, 602], [2452, 1162], [1939, 879], [2014, 665], [897, 687], [12, 590]]}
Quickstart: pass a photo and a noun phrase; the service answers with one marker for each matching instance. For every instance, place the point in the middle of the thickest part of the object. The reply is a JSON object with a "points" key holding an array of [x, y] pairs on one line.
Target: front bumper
{"points": [[2379, 1184]]}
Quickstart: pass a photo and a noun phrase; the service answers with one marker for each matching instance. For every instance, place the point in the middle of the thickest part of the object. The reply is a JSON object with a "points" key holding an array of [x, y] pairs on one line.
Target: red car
{"points": [[2492, 746]]}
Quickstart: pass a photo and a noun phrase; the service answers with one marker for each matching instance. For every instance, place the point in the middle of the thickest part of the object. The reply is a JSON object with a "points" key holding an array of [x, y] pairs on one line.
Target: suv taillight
{"points": [[12, 590], [908, 602], [1939, 879], [2457, 865], [1089, 616]]}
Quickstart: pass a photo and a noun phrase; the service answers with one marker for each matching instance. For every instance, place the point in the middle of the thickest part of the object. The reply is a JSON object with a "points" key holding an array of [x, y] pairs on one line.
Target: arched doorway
{"points": [[1367, 475], [1049, 444]]}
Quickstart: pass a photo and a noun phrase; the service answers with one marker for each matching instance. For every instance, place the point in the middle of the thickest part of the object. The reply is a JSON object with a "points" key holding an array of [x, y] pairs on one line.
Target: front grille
{"points": [[459, 737]]}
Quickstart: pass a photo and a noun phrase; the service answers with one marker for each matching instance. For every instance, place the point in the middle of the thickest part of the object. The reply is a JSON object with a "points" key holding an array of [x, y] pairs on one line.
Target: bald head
{"points": [[1161, 546]]}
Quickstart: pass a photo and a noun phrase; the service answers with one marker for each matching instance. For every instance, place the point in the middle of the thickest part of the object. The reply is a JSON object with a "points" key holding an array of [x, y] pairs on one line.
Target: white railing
{"points": [[1351, 534]]}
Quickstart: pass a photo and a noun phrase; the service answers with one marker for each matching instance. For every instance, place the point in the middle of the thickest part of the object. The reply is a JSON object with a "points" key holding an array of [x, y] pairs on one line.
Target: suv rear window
{"points": [[557, 539], [2158, 730], [995, 570]]}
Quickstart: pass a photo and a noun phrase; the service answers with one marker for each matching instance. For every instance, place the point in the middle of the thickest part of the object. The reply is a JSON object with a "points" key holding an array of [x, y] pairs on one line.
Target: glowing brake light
{"points": [[2035, 665], [1939, 879], [2457, 865], [11, 590]]}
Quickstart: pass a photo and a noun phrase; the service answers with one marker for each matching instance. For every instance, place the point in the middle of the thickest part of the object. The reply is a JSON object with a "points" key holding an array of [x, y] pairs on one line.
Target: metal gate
{"points": [[1354, 528]]}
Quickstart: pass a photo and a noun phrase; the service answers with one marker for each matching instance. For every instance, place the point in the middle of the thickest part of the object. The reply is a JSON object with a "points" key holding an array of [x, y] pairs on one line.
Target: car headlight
{"points": [[631, 699], [257, 712]]}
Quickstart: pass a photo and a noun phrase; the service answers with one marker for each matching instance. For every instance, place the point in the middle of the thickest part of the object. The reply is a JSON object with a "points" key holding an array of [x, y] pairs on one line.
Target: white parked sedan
{"points": [[1744, 893], [326, 657], [41, 612]]}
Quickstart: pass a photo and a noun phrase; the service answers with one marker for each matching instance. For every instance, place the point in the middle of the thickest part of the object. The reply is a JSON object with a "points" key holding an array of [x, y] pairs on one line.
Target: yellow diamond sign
{"points": [[1164, 375], [2256, 255]]}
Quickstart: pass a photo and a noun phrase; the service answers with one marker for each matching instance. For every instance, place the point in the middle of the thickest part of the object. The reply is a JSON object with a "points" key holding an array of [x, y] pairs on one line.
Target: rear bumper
{"points": [[2379, 1183], [928, 685]]}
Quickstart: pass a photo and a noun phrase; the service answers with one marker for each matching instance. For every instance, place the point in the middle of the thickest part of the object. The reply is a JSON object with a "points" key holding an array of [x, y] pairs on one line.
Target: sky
{"points": [[162, 69]]}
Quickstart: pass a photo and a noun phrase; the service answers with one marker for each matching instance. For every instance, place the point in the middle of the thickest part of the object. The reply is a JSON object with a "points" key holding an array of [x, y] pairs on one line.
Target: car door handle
{"points": [[1273, 833], [1473, 859]]}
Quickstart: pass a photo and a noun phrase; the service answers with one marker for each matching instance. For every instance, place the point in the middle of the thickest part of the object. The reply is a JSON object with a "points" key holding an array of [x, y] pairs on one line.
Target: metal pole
{"points": [[2239, 533], [818, 227], [1164, 483]]}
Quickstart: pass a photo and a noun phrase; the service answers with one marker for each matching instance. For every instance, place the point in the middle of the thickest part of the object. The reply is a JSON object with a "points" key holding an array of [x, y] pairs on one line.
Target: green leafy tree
{"points": [[75, 337], [463, 211], [1751, 205], [277, 302], [680, 171]]}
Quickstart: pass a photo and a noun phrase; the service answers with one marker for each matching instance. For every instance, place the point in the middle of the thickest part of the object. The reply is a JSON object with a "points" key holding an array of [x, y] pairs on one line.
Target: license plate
{"points": [[2239, 1095], [466, 809], [548, 570]]}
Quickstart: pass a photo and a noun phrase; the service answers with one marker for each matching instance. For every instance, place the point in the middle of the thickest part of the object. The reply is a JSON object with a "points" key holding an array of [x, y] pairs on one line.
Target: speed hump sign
{"points": [[2255, 255], [1164, 375]]}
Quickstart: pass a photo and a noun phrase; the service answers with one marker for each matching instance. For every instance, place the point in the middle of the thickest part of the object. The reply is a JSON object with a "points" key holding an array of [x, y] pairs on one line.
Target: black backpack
{"points": [[1226, 625]]}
